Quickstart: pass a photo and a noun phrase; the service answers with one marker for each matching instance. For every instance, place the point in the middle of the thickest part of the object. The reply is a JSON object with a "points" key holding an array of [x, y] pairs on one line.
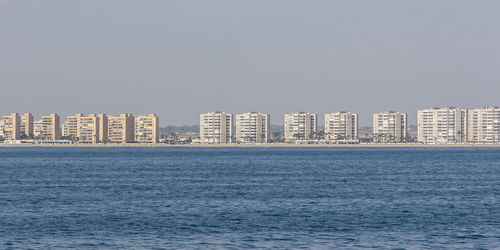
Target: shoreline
{"points": [[271, 145]]}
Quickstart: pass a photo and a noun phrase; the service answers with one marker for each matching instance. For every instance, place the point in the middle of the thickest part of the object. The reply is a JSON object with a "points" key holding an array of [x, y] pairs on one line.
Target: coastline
{"points": [[270, 145]]}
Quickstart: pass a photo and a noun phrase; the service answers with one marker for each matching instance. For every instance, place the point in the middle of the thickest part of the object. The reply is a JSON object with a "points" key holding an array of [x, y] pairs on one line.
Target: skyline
{"points": [[183, 58]]}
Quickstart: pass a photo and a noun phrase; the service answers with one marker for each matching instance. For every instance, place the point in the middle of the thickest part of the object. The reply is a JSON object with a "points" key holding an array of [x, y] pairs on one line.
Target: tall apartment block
{"points": [[300, 126], [147, 128], [121, 128], [11, 127], [216, 128], [341, 126], [103, 127], [390, 126], [50, 127], [88, 129], [483, 125], [442, 125], [252, 127], [27, 121], [70, 126]]}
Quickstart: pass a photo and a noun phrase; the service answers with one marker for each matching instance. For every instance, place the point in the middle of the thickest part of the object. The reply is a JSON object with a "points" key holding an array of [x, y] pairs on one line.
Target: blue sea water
{"points": [[249, 197]]}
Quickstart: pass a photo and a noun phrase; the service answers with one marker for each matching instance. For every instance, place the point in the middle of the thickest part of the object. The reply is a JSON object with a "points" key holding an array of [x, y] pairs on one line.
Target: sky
{"points": [[182, 58]]}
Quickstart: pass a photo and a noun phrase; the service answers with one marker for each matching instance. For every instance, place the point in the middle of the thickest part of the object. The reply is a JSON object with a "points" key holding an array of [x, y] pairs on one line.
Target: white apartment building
{"points": [[483, 125], [442, 125], [390, 126], [147, 128], [341, 127], [300, 126], [252, 127], [216, 127]]}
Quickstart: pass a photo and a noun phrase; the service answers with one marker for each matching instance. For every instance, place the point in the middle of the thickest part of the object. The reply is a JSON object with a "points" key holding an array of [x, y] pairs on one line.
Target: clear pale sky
{"points": [[182, 58]]}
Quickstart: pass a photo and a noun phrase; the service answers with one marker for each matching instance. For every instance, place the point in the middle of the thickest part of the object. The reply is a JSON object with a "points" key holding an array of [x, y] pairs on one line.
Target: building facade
{"points": [[341, 126], [253, 127], [121, 128], [27, 123], [390, 127], [103, 127], [70, 126], [483, 125], [216, 128], [300, 126], [442, 125], [50, 127], [88, 129], [11, 127], [147, 128]]}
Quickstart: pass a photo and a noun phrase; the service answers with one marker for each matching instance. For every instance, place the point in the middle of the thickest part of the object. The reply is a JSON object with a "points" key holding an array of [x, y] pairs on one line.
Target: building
{"points": [[11, 127], [341, 127], [121, 128], [50, 127], [216, 128], [27, 121], [390, 126], [70, 126], [442, 125], [300, 126], [103, 127], [483, 125], [37, 129], [147, 128], [88, 129], [253, 127]]}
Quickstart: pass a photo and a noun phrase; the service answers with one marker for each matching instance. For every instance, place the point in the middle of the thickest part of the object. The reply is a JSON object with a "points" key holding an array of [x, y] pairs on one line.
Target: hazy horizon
{"points": [[182, 58]]}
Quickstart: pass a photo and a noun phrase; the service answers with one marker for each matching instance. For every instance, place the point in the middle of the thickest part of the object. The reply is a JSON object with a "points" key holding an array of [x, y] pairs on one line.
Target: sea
{"points": [[199, 198]]}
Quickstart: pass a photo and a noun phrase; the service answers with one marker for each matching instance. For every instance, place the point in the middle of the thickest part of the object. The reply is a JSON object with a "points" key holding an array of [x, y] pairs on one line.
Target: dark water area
{"points": [[249, 197]]}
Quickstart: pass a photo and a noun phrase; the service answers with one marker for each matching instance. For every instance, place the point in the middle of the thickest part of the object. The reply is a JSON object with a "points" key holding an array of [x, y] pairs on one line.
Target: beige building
{"points": [[50, 127], [11, 126], [121, 128], [252, 127], [483, 125], [88, 129], [37, 129], [103, 127], [70, 126], [147, 128], [341, 127], [300, 126], [390, 126], [216, 128], [442, 125], [27, 121]]}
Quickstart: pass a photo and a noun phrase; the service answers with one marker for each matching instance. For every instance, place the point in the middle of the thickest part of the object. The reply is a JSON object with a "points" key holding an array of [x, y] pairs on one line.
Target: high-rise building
{"points": [[300, 126], [88, 129], [103, 127], [121, 128], [27, 125], [216, 128], [37, 129], [147, 128], [483, 125], [11, 126], [50, 127], [252, 127], [70, 126], [390, 126], [442, 125], [341, 126]]}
